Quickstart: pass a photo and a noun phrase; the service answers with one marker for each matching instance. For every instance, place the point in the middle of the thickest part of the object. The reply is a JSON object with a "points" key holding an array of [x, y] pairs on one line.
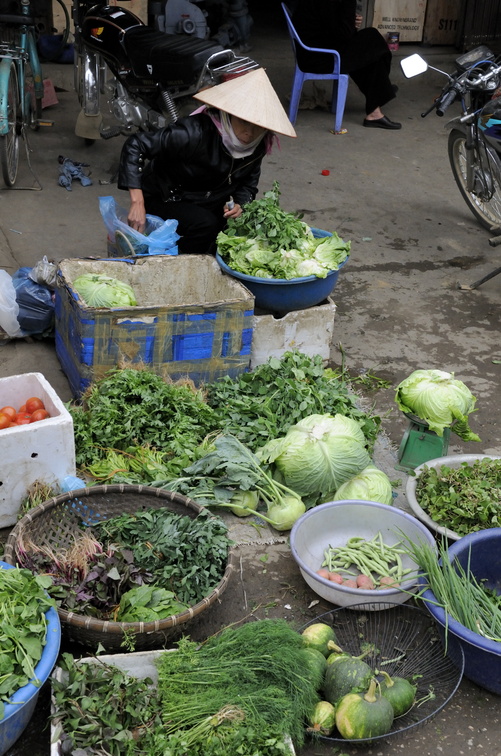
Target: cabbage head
{"points": [[98, 290], [371, 484], [436, 397], [318, 454]]}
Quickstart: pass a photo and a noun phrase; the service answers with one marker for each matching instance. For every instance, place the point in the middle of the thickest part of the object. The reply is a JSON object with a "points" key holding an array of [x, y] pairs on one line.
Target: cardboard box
{"points": [[310, 331], [403, 16], [42, 451], [191, 320], [442, 22]]}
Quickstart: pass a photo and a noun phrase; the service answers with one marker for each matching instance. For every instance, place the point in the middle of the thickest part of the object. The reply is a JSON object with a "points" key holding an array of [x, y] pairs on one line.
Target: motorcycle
{"points": [[153, 74], [474, 144]]}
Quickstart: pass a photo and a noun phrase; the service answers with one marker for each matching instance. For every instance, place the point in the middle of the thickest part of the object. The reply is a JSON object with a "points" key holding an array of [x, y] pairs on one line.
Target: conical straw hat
{"points": [[252, 98]]}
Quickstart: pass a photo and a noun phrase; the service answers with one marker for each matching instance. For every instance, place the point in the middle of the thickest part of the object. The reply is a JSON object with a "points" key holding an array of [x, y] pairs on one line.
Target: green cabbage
{"points": [[371, 484], [318, 454], [98, 290], [440, 400]]}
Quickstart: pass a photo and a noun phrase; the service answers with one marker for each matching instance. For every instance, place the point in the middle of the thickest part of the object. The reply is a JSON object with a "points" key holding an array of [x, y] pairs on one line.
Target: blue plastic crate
{"points": [[205, 334]]}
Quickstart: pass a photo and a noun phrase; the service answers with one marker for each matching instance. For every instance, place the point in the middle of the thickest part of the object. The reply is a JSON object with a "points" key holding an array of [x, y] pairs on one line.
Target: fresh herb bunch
{"points": [[260, 667], [463, 499], [24, 601], [102, 709], [266, 402], [129, 407], [185, 555], [264, 219]]}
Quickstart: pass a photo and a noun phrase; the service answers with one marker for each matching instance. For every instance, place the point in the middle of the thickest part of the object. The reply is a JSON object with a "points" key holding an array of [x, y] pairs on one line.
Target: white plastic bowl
{"points": [[454, 461], [333, 524]]}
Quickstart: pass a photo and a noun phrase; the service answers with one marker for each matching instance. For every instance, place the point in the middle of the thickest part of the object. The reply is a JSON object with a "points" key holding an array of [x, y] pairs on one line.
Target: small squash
{"points": [[320, 636], [322, 719], [316, 665], [364, 715], [346, 675], [399, 692]]}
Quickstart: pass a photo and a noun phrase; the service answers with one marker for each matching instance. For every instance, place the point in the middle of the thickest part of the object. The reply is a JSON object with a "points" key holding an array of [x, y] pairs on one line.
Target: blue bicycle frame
{"points": [[20, 53]]}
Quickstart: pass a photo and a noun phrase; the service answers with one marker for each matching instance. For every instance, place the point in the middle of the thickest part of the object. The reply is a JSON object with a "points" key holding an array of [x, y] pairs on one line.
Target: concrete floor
{"points": [[398, 306]]}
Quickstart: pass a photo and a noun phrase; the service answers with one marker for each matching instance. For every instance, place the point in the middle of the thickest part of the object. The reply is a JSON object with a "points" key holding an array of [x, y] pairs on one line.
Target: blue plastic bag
{"points": [[161, 236], [36, 304]]}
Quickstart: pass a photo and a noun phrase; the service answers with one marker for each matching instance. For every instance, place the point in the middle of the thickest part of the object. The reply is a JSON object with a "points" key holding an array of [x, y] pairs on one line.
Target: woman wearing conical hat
{"points": [[202, 169]]}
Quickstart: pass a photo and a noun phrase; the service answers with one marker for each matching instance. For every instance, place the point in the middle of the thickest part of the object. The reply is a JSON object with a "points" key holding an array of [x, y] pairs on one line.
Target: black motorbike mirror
{"points": [[413, 66]]}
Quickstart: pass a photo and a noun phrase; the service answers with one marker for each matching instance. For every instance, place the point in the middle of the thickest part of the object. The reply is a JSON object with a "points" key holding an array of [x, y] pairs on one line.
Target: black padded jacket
{"points": [[187, 161]]}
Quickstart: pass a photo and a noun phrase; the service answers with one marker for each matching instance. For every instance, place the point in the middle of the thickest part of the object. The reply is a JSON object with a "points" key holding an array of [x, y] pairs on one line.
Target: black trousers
{"points": [[368, 62], [197, 226]]}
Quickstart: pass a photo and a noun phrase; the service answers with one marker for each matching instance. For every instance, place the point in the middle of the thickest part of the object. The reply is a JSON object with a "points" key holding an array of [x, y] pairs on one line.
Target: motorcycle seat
{"points": [[172, 59]]}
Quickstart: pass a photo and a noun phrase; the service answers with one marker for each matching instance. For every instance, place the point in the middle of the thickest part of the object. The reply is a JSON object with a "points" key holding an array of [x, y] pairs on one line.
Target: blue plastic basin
{"points": [[22, 704], [281, 295], [482, 656]]}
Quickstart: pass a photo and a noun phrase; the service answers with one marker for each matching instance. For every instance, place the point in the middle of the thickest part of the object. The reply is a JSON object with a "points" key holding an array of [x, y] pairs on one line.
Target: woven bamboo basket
{"points": [[56, 522]]}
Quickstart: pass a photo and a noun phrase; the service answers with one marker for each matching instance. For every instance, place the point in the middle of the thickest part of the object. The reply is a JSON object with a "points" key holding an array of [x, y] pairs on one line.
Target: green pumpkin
{"points": [[323, 718], [316, 665], [399, 692], [364, 715], [320, 636], [346, 675]]}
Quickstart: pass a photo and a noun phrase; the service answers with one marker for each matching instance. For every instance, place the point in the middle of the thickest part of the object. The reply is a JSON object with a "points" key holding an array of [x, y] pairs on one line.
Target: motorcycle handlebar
{"points": [[446, 101]]}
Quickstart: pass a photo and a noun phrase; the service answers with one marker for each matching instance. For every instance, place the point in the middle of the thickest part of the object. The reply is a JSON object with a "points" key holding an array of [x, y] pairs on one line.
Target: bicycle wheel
{"points": [[484, 200], [9, 142], [34, 111]]}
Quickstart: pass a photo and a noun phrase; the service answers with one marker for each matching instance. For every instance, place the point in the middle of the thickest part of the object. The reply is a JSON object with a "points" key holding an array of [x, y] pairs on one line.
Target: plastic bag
{"points": [[160, 238], [44, 272], [36, 304], [9, 308]]}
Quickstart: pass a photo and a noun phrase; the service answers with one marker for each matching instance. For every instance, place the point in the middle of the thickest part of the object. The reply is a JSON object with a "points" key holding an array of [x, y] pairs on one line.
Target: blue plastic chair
{"points": [[339, 80]]}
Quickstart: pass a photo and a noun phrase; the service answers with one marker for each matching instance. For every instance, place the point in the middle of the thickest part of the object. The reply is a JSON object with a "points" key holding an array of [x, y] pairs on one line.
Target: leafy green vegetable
{"points": [[230, 467], [267, 242], [129, 407], [440, 399], [148, 603], [318, 454], [98, 290], [462, 499], [264, 403], [185, 555], [370, 484], [23, 629]]}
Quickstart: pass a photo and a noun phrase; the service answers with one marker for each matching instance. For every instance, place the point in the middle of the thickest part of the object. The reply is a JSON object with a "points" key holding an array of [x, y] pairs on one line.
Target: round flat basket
{"points": [[404, 642], [57, 522]]}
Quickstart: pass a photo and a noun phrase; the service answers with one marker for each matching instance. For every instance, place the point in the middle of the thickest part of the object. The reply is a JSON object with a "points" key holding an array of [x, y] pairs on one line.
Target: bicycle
{"points": [[21, 87]]}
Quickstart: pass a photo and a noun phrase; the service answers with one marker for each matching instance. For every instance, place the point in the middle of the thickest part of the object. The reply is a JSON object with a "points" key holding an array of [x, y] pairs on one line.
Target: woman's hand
{"points": [[234, 212], [136, 217]]}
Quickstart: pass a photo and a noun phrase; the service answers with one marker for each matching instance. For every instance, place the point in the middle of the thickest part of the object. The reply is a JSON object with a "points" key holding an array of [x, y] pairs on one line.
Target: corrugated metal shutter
{"points": [[482, 23]]}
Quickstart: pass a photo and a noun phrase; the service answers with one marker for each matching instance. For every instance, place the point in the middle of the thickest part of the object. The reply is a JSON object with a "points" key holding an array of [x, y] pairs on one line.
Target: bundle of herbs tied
{"points": [[137, 567], [246, 691]]}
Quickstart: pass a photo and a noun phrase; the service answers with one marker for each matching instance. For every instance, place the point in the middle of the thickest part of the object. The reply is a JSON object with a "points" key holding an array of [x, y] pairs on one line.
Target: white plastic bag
{"points": [[9, 308]]}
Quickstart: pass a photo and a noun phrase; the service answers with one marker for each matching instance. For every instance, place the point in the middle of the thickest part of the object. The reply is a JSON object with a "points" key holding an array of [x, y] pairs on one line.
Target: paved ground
{"points": [[398, 308]]}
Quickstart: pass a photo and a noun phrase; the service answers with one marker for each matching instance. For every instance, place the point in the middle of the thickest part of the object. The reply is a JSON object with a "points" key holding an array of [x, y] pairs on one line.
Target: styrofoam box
{"points": [[42, 451], [309, 331], [139, 664]]}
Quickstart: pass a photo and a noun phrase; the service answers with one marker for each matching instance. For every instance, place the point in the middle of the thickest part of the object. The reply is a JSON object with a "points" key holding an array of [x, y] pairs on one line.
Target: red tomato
{"points": [[4, 421], [12, 425], [22, 409], [34, 403], [22, 418], [39, 414], [10, 411]]}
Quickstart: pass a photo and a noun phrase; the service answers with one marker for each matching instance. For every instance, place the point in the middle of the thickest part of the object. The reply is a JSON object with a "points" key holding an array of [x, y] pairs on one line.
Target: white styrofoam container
{"points": [[310, 331], [139, 664], [42, 451]]}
